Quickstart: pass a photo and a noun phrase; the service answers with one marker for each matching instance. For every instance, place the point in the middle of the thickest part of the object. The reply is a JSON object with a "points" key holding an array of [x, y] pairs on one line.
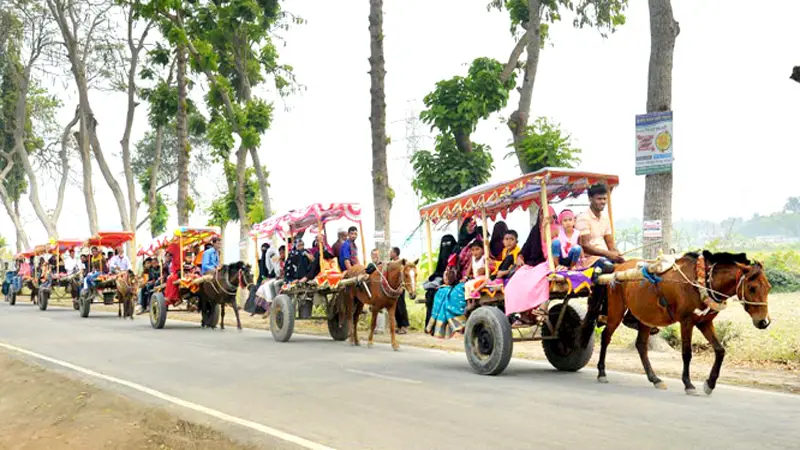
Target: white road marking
{"points": [[305, 443], [385, 377]]}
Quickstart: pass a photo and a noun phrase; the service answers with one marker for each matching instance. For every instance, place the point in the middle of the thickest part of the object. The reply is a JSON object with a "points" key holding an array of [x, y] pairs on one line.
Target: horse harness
{"points": [[216, 284], [714, 300], [386, 288]]}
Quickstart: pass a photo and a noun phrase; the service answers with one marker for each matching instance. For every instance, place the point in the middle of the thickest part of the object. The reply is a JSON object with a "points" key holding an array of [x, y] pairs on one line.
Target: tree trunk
{"points": [[86, 166], [377, 120], [183, 141], [518, 122], [106, 171], [658, 187], [12, 208], [155, 169], [19, 147], [263, 182], [241, 205]]}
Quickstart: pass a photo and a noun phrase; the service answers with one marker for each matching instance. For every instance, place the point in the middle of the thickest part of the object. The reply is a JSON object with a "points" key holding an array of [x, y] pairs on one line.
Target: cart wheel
{"points": [[158, 310], [12, 298], [487, 341], [85, 304], [565, 353], [281, 318], [338, 331], [211, 320], [44, 299]]}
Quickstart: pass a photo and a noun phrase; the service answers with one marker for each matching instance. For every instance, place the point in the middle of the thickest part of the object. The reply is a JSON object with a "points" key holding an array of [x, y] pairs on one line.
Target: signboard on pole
{"points": [[654, 143], [651, 229]]}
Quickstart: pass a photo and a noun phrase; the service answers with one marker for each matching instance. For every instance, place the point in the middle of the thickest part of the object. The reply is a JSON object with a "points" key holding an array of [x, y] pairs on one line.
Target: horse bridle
{"points": [[740, 287], [385, 286], [222, 290]]}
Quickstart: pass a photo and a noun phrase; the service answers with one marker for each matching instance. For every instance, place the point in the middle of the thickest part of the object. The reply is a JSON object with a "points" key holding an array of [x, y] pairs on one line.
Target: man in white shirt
{"points": [[70, 265], [119, 262]]}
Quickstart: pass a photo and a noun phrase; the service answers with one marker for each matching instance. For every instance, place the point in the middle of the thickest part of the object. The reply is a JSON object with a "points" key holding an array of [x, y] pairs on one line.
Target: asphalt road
{"points": [[361, 398]]}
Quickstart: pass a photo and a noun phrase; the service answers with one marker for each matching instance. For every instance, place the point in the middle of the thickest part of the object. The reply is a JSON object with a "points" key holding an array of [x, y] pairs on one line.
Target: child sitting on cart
{"points": [[476, 272], [508, 258], [97, 266], [566, 250]]}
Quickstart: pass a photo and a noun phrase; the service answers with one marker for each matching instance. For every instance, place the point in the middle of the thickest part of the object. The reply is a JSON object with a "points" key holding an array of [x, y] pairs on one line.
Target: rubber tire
{"points": [[12, 299], [285, 306], [84, 306], [213, 320], [577, 358], [337, 331], [44, 299], [158, 310], [491, 323]]}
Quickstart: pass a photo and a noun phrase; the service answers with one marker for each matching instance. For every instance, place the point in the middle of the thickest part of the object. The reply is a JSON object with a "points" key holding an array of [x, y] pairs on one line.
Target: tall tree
{"points": [[85, 28], [381, 192], [658, 187], [545, 145], [29, 41], [531, 19], [455, 107]]}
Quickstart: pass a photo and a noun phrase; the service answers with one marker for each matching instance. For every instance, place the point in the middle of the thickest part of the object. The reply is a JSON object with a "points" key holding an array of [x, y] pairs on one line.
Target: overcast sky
{"points": [[736, 111]]}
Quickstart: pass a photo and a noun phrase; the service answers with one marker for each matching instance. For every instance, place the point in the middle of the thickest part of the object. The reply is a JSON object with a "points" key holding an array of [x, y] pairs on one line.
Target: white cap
{"points": [[342, 231]]}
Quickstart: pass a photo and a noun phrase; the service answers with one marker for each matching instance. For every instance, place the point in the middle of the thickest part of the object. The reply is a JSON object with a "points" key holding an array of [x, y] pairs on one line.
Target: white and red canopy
{"points": [[284, 225]]}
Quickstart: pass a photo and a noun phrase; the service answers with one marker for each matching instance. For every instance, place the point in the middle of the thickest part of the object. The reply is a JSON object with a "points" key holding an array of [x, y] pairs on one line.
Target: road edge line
{"points": [[282, 435]]}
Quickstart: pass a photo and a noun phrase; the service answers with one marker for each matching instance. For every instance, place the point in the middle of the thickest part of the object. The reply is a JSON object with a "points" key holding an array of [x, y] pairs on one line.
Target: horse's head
{"points": [[752, 289], [410, 277], [239, 274]]}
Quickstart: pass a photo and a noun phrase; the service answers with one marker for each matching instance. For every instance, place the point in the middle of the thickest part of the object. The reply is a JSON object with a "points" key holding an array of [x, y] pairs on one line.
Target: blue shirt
{"points": [[348, 251], [210, 261]]}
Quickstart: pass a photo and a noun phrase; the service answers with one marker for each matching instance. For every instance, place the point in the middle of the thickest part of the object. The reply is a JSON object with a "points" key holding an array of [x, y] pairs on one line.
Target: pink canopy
{"points": [[302, 219]]}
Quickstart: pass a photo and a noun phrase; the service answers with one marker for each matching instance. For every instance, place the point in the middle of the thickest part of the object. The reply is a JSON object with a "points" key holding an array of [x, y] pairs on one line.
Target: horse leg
{"points": [[235, 307], [612, 323], [710, 333], [393, 325], [641, 345], [119, 310], [686, 351], [222, 316], [372, 324]]}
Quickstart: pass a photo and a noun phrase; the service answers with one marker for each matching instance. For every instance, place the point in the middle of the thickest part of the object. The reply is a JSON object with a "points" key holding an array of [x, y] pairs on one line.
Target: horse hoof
{"points": [[660, 385], [396, 348], [369, 345], [691, 392], [707, 389], [602, 380]]}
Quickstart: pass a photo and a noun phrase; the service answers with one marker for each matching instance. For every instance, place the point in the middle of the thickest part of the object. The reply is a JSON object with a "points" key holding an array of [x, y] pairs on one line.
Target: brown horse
{"points": [[127, 285], [383, 288], [684, 297], [220, 288]]}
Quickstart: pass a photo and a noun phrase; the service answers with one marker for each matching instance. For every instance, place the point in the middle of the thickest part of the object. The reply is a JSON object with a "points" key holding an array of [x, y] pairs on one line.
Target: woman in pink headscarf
{"points": [[529, 287]]}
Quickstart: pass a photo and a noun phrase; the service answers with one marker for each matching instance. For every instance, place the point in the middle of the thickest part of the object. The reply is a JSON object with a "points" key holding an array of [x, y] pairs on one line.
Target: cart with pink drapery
{"points": [[488, 332]]}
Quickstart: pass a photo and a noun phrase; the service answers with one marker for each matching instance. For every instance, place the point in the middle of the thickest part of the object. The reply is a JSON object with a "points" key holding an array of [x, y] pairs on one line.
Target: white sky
{"points": [[736, 111]]}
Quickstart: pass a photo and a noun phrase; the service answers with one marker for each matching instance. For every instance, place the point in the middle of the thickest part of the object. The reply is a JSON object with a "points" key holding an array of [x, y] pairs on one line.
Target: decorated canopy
{"points": [[109, 239], [188, 236], [298, 220], [26, 254], [502, 198], [64, 245], [40, 249]]}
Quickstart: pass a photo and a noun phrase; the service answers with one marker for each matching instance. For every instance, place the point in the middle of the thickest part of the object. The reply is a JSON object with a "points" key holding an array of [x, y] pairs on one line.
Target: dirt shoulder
{"points": [[41, 409]]}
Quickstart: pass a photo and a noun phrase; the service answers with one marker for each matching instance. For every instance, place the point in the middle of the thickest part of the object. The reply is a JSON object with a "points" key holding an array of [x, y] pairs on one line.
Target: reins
{"points": [[716, 295]]}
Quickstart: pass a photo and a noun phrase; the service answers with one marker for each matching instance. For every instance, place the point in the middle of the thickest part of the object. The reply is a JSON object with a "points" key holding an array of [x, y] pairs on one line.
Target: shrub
{"points": [[783, 281]]}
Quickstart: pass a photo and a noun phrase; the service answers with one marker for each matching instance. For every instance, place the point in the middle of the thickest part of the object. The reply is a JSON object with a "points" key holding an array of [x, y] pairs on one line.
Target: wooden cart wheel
{"points": [[565, 353], [281, 318], [487, 340], [158, 310]]}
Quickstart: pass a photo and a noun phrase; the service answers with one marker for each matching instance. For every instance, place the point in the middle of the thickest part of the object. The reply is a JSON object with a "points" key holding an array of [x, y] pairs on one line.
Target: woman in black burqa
{"points": [[447, 247]]}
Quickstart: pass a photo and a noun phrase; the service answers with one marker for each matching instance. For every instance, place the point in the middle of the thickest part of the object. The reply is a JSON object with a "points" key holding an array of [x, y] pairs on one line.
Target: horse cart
{"points": [[317, 298], [104, 290], [488, 333], [17, 281], [70, 282], [180, 241]]}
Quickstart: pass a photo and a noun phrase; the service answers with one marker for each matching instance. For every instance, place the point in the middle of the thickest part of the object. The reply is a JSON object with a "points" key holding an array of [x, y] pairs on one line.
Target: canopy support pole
{"points": [[180, 251], [611, 211], [544, 221], [320, 237], [258, 268], [363, 243], [430, 245], [485, 244]]}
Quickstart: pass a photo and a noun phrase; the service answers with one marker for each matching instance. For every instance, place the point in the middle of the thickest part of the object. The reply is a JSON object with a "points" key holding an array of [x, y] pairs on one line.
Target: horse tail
{"points": [[594, 308]]}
